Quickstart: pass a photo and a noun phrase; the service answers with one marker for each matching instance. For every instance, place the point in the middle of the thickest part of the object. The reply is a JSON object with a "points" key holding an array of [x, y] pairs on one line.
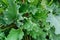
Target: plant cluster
{"points": [[29, 20]]}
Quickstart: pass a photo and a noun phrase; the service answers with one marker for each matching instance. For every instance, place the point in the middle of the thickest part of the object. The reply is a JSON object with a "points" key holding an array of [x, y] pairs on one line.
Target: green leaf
{"points": [[21, 34], [15, 35], [1, 21], [33, 29], [2, 35], [23, 8], [30, 0], [43, 3], [1, 10], [11, 12], [33, 2], [5, 1], [53, 36], [29, 25]]}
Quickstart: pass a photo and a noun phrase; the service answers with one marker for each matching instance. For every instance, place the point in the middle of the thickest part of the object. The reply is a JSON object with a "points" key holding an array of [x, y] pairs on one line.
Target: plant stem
{"points": [[8, 27]]}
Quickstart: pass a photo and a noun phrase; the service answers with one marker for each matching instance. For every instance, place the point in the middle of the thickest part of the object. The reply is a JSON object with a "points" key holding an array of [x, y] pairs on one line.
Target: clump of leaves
{"points": [[29, 20]]}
